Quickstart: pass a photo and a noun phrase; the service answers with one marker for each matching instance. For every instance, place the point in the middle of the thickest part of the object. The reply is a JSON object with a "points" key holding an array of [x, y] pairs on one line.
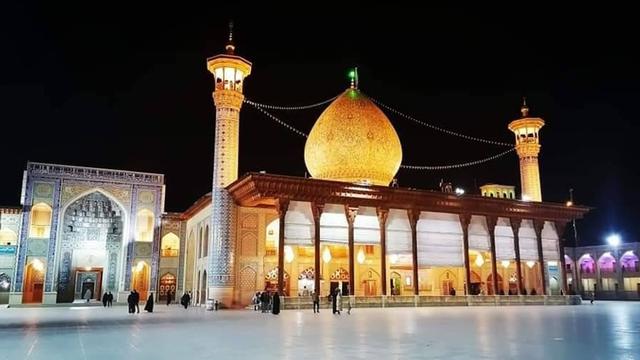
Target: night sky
{"points": [[127, 88]]}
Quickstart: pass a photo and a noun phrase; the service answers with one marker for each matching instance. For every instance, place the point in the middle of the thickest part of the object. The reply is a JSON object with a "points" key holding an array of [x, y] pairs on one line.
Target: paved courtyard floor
{"points": [[606, 330]]}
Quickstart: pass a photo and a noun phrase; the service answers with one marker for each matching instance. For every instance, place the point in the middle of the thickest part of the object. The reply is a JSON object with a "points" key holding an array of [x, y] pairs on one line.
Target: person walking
{"points": [[184, 300], [109, 299], [136, 300], [149, 305], [169, 297], [593, 296], [316, 302], [338, 301], [131, 302], [88, 295], [255, 301], [264, 300], [334, 300], [276, 303], [105, 298]]}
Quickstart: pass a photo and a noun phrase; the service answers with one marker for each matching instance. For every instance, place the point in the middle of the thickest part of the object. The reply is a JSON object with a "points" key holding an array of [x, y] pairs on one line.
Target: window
{"points": [[8, 237], [170, 245], [40, 221], [144, 226]]}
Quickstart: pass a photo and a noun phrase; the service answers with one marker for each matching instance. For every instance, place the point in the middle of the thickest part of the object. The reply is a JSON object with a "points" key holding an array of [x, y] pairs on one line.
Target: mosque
{"points": [[79, 231]]}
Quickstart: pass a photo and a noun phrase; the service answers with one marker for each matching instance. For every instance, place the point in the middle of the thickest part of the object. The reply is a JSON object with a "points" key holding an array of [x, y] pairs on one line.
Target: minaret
{"points": [[229, 71], [526, 130]]}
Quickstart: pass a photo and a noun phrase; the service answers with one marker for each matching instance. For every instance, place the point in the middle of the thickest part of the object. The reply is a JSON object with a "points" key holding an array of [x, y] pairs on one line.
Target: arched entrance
{"points": [[395, 283], [167, 287], [271, 281], [499, 289], [369, 280], [90, 247], [340, 280], [5, 284], [33, 282], [203, 288], [140, 279], [306, 282], [447, 283]]}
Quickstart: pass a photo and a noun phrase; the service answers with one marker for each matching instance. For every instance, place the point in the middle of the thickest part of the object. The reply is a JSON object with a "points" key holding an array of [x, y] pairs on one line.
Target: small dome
{"points": [[353, 141]]}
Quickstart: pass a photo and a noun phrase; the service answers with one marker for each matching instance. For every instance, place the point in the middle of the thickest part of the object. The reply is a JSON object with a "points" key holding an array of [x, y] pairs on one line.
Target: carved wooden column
{"points": [[465, 219], [350, 213], [316, 209], [560, 226], [491, 226], [515, 226], [414, 215], [382, 221], [281, 206], [537, 226]]}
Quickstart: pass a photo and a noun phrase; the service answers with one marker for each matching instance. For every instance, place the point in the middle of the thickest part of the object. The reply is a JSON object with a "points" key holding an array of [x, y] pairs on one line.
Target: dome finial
{"points": [[524, 109], [230, 47]]}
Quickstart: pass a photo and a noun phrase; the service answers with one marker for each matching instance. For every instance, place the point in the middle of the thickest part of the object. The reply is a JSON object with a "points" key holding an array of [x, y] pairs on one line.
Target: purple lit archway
{"points": [[587, 264], [629, 262], [607, 263]]}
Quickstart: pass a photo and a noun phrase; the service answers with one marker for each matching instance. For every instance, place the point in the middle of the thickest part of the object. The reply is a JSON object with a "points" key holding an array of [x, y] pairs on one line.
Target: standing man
{"points": [[109, 299], [136, 300], [316, 302]]}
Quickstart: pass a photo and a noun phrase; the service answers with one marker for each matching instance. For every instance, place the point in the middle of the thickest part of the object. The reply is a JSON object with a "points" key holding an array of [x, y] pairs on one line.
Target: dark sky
{"points": [[127, 88]]}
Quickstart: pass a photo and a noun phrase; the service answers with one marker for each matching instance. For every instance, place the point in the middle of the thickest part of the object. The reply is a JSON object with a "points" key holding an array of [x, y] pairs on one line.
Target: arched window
{"points": [[170, 245], [8, 237], [271, 244], [144, 226], [205, 242], [40, 221]]}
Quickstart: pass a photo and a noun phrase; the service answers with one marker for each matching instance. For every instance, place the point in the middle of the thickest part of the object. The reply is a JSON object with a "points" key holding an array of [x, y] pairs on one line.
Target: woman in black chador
{"points": [[276, 303], [149, 306], [132, 303], [334, 300]]}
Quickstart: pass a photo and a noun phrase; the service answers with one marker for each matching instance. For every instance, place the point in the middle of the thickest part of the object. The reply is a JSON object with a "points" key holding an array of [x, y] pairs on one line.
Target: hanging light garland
{"points": [[302, 107], [437, 128], [260, 108]]}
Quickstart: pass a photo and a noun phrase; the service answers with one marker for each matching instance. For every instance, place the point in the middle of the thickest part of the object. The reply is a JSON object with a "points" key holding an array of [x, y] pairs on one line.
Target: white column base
{"points": [[15, 298], [49, 298], [224, 295]]}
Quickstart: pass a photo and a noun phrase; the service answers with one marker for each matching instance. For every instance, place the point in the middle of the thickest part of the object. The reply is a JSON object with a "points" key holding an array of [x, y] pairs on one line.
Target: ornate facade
{"points": [[83, 231]]}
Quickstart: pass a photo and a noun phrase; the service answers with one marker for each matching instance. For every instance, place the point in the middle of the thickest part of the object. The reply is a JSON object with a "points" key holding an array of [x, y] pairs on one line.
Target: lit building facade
{"points": [[610, 272], [345, 229]]}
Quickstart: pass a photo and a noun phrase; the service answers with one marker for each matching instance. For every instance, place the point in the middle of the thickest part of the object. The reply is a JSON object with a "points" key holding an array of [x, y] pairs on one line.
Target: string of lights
{"points": [[457, 166], [437, 128], [406, 167], [282, 123], [302, 107]]}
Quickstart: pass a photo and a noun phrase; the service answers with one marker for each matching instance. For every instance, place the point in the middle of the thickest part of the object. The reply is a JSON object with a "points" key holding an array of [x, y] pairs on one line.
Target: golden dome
{"points": [[353, 141]]}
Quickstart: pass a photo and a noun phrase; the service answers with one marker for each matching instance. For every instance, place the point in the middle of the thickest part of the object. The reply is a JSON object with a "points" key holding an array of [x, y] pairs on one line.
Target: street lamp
{"points": [[614, 240]]}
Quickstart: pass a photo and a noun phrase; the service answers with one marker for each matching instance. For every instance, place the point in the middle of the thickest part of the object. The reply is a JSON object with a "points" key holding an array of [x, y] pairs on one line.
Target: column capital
{"points": [[465, 220], [282, 205], [537, 227], [383, 214], [350, 212], [515, 224], [414, 216], [316, 210], [491, 223], [561, 225]]}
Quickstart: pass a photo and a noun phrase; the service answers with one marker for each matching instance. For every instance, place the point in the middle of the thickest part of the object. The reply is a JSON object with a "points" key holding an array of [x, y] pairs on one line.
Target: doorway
{"points": [[34, 283]]}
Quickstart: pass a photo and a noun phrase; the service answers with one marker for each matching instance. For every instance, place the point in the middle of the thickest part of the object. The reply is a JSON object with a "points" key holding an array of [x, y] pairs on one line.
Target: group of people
{"points": [[107, 299], [267, 302], [134, 302], [336, 302]]}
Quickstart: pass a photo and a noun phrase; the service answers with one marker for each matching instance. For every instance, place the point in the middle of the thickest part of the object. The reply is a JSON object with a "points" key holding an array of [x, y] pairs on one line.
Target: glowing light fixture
{"points": [[326, 255], [459, 191], [360, 256], [526, 197], [569, 203], [37, 265], [614, 240], [505, 263], [479, 260], [288, 254], [393, 258], [139, 266], [530, 264]]}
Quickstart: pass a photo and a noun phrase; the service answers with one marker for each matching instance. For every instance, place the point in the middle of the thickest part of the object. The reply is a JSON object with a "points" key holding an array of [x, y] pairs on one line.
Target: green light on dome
{"points": [[352, 74]]}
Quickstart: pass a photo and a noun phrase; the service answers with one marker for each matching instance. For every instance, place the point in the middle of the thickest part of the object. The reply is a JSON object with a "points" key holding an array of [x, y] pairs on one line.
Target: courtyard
{"points": [[605, 330]]}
